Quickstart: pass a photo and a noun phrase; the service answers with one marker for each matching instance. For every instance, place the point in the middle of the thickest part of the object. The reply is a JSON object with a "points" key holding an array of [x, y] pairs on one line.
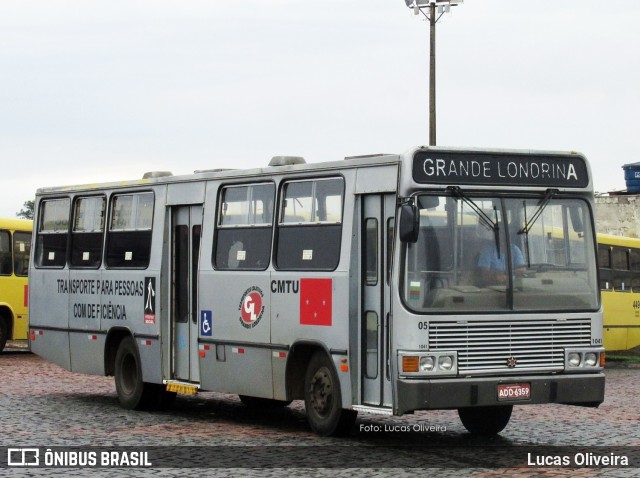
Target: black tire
{"points": [[4, 333], [133, 393], [485, 420], [323, 399], [263, 403]]}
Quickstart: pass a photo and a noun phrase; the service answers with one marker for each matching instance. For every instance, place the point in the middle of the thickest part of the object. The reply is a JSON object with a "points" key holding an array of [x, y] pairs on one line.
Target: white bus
{"points": [[379, 284]]}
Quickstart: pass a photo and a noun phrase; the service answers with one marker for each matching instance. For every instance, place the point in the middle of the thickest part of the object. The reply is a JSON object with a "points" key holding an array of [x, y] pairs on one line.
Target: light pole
{"points": [[434, 7]]}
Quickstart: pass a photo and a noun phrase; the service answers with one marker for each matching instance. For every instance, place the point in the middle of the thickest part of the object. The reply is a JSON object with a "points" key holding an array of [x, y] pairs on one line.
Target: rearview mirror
{"points": [[409, 222]]}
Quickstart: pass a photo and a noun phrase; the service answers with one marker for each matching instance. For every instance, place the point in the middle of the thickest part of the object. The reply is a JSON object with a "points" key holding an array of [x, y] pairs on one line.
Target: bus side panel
{"points": [[87, 352], [14, 296], [129, 300], [313, 308], [85, 340], [150, 359], [279, 370], [49, 320], [633, 337], [21, 319], [243, 370], [618, 315], [239, 305]]}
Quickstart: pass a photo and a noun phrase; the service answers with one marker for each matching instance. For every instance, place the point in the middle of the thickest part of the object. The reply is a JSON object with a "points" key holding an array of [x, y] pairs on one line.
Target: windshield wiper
{"points": [[490, 224], [536, 214]]}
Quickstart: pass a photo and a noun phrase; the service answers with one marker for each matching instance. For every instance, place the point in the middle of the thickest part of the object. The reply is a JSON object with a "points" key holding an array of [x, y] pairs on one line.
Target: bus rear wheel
{"points": [[485, 420], [128, 375], [133, 393], [323, 400]]}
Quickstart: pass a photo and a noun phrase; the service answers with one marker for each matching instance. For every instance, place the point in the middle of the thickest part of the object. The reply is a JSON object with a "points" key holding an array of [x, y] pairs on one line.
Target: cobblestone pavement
{"points": [[42, 405]]}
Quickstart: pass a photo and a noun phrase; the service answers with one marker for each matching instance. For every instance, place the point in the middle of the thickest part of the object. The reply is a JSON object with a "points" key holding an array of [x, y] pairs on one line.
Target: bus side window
{"points": [[87, 232], [620, 266], [21, 253], [129, 234], [5, 253], [604, 263], [310, 226], [244, 227], [53, 230]]}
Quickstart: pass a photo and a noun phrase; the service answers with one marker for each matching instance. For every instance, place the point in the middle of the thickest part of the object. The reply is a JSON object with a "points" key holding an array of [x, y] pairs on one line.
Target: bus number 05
{"points": [[423, 325]]}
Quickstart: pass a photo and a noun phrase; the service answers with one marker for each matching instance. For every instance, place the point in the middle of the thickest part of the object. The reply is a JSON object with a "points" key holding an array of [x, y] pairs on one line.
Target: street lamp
{"points": [[441, 7]]}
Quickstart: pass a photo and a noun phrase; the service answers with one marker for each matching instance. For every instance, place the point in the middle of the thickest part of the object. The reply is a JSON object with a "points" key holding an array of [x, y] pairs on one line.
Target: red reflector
{"points": [[148, 342], [202, 353], [40, 332], [206, 347], [283, 354], [240, 351], [94, 337]]}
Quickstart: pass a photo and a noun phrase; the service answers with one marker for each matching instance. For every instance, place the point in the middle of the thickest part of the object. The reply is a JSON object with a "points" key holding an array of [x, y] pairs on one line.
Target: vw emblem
{"points": [[511, 362]]}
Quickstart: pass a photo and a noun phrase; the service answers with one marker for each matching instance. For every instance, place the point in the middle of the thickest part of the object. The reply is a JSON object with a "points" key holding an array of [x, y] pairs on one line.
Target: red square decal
{"points": [[315, 301]]}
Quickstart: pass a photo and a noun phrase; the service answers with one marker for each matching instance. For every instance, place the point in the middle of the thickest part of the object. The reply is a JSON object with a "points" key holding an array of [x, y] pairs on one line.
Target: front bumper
{"points": [[574, 389]]}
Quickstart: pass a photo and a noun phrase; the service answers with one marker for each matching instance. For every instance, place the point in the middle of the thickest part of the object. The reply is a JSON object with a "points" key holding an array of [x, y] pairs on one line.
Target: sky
{"points": [[105, 90]]}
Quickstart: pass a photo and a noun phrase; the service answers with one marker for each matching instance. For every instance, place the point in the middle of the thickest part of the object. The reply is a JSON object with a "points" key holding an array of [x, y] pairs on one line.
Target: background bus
{"points": [[353, 285], [15, 250], [619, 263]]}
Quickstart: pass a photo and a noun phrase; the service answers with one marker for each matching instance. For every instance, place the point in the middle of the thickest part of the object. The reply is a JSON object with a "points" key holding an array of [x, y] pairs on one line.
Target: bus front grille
{"points": [[486, 347]]}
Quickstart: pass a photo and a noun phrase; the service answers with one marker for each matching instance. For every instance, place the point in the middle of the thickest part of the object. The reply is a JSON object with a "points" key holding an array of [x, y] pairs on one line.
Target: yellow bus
{"points": [[15, 248], [619, 263]]}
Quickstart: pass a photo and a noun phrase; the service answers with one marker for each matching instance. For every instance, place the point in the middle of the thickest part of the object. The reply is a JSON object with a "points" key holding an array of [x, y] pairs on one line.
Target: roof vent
{"points": [[286, 160], [156, 174], [214, 170]]}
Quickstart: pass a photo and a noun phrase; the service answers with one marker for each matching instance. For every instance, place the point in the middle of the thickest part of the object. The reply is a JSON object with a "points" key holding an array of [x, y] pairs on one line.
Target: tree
{"points": [[27, 212]]}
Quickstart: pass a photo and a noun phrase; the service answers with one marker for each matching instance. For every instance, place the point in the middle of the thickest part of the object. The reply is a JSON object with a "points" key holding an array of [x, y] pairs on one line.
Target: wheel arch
{"points": [[7, 315], [298, 360], [114, 338]]}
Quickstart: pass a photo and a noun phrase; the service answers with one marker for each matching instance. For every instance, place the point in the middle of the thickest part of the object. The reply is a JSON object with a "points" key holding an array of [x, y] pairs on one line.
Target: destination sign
{"points": [[451, 167]]}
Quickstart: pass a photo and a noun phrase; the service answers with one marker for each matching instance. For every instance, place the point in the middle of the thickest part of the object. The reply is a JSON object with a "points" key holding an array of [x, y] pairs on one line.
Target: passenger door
{"points": [[185, 252], [378, 213]]}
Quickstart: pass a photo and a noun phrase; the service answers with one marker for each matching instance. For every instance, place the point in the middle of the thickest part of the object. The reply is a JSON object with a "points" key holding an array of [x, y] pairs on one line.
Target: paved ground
{"points": [[42, 405]]}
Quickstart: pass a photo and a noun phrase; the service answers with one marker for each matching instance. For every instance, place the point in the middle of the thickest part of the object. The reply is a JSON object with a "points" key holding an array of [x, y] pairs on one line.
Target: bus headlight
{"points": [[574, 359], [445, 363], [590, 359], [426, 364], [583, 360]]}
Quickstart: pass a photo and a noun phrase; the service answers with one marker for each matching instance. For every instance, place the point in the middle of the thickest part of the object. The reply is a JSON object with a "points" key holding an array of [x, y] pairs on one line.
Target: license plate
{"points": [[514, 391]]}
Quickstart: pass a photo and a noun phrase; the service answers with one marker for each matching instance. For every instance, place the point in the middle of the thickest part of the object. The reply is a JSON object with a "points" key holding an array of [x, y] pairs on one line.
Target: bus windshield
{"points": [[461, 261]]}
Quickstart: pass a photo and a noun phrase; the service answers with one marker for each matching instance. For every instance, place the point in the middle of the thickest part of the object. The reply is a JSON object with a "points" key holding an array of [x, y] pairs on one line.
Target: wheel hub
{"points": [[321, 391]]}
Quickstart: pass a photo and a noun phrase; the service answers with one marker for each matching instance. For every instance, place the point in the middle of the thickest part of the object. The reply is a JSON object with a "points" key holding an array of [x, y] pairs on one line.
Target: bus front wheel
{"points": [[485, 420], [323, 400]]}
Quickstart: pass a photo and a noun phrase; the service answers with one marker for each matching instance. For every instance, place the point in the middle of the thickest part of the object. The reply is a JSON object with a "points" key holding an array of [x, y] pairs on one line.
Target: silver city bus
{"points": [[437, 279]]}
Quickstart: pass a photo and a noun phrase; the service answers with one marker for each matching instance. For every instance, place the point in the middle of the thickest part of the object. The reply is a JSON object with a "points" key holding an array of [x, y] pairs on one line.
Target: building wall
{"points": [[618, 215]]}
